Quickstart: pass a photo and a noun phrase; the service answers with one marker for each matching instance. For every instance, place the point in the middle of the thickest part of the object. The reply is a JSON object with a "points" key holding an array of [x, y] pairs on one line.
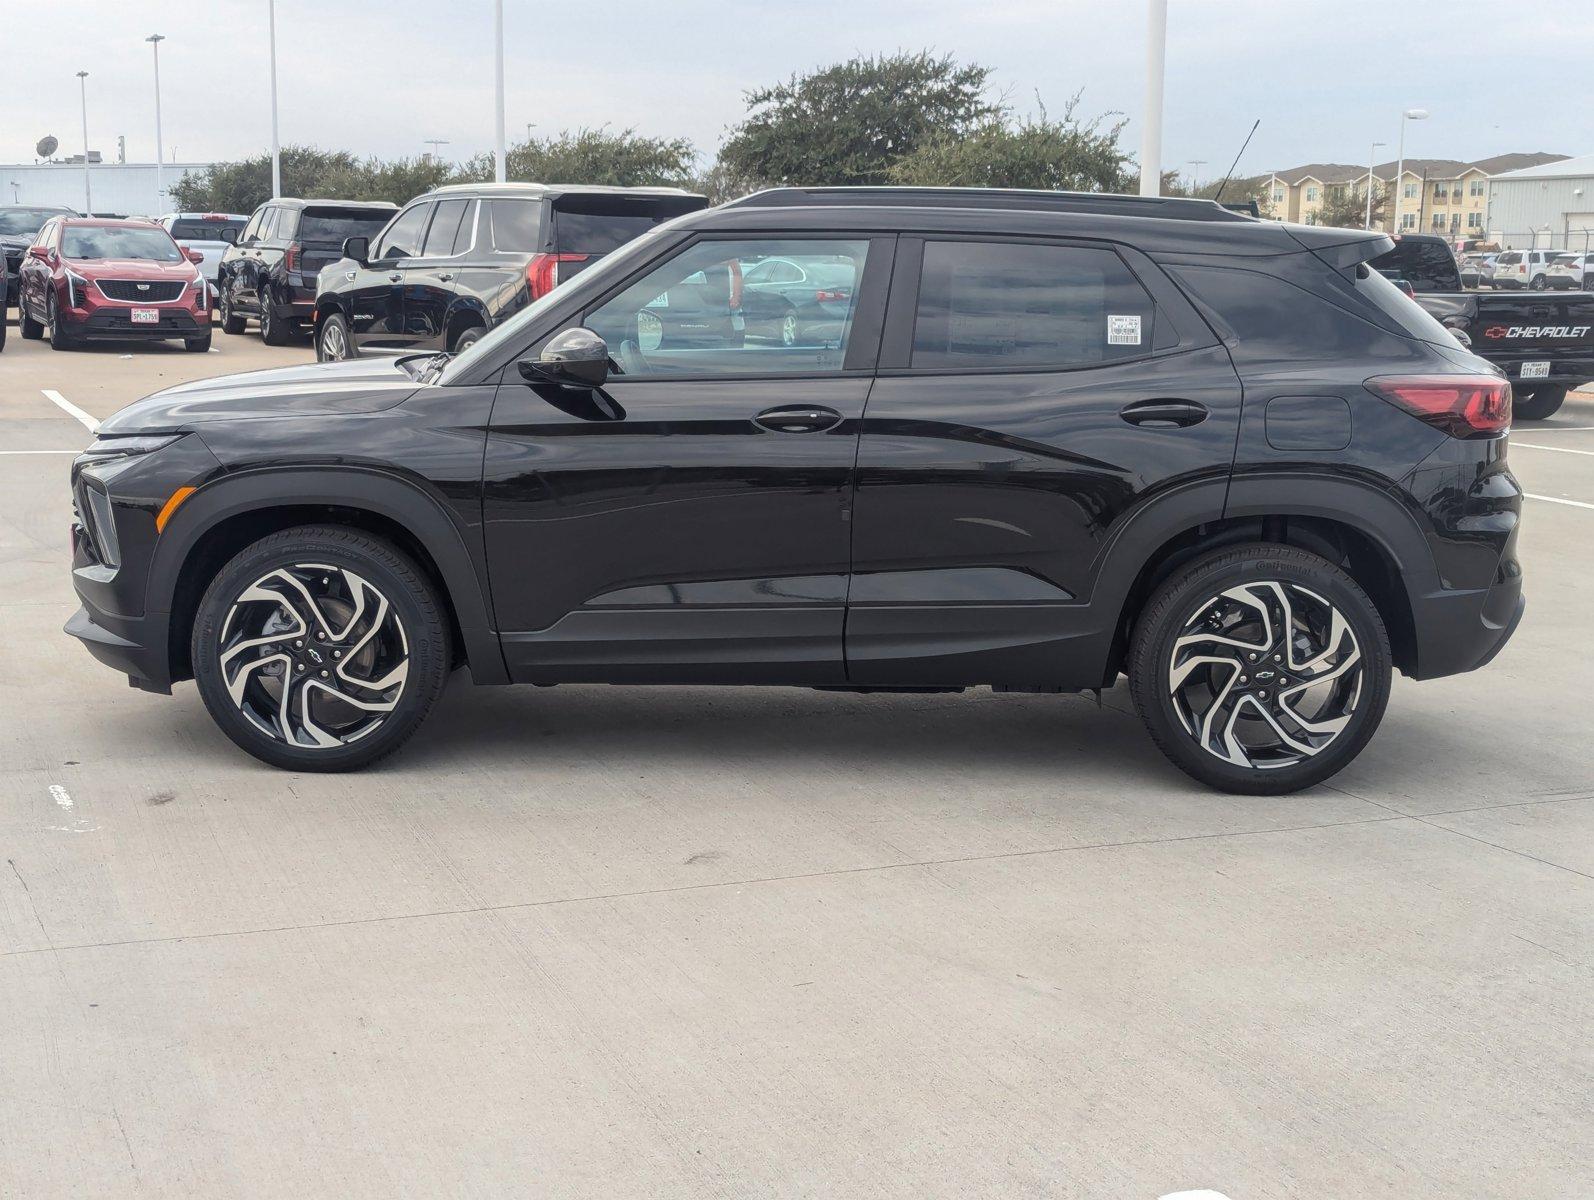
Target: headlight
{"points": [[126, 447], [74, 281], [200, 283]]}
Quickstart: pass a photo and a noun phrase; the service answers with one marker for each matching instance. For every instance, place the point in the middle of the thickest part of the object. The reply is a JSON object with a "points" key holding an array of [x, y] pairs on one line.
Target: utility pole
{"points": [[1372, 159], [500, 159], [1410, 114], [155, 41], [1151, 118], [276, 149], [88, 196]]}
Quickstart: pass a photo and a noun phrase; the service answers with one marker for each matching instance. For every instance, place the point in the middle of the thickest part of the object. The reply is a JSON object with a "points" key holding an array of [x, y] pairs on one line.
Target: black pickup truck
{"points": [[1543, 341]]}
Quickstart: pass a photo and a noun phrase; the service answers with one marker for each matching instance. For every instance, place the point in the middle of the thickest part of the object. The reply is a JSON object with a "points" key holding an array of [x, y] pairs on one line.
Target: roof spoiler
{"points": [[1341, 248]]}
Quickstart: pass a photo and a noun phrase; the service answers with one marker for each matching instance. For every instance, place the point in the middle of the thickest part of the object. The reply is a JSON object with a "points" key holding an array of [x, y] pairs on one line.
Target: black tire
{"points": [[274, 330], [413, 607], [1196, 588], [231, 322], [1539, 284], [468, 338], [30, 329], [198, 345], [332, 341], [1538, 404], [60, 339], [2, 326]]}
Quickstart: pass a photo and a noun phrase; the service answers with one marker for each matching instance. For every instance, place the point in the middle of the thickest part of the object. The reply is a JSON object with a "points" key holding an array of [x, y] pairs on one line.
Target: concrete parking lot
{"points": [[607, 942]]}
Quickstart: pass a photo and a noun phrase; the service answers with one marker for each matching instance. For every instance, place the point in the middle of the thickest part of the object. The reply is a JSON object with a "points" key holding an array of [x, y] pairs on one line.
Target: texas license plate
{"points": [[146, 316], [1535, 370]]}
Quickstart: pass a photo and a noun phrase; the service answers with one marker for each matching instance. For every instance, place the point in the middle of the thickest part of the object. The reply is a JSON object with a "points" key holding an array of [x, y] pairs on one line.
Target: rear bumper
{"points": [[1463, 630]]}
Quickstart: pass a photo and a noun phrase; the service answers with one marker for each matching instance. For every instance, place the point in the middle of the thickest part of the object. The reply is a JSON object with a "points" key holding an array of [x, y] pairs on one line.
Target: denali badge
{"points": [[1536, 331]]}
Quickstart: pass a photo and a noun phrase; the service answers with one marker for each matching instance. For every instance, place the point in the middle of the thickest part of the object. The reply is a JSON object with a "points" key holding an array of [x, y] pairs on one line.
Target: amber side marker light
{"points": [[171, 506]]}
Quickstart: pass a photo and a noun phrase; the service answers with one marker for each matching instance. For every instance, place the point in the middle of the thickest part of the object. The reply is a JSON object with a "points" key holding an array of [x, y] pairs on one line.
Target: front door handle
{"points": [[1164, 413], [395, 277], [445, 278], [798, 418]]}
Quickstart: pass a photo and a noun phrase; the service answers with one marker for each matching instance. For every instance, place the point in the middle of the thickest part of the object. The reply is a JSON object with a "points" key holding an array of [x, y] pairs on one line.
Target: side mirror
{"points": [[42, 253], [193, 256], [229, 235], [576, 358], [357, 248]]}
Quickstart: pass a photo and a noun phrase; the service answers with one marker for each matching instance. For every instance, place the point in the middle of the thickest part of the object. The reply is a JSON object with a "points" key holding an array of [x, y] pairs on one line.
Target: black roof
{"points": [[297, 202], [1180, 207]]}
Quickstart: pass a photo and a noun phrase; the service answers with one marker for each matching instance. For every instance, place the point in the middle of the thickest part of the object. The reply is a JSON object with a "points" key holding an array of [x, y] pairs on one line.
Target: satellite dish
{"points": [[47, 146]]}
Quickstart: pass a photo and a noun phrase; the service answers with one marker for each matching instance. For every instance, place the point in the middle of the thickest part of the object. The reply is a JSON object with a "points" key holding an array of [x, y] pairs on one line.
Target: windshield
{"points": [[25, 220], [205, 229], [514, 329], [334, 227], [119, 241], [1410, 315]]}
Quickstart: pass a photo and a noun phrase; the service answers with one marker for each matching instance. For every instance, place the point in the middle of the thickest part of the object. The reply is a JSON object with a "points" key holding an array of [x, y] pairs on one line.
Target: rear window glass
{"points": [[517, 225], [1410, 315], [332, 225], [1427, 266], [203, 231], [598, 233], [90, 241], [993, 304]]}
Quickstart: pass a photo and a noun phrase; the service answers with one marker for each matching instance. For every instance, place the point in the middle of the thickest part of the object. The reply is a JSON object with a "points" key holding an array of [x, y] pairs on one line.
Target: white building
{"points": [[127, 189], [1550, 205]]}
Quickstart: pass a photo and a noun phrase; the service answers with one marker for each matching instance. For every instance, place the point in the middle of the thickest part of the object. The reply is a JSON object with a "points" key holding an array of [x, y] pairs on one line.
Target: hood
{"points": [[315, 389], [128, 268]]}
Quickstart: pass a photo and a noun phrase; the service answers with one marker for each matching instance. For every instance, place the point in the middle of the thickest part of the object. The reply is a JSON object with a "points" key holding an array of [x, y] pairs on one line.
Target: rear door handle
{"points": [[798, 418], [1164, 413]]}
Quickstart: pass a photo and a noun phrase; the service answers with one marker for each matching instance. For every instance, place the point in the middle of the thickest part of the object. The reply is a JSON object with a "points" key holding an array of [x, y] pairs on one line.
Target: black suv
{"points": [[270, 272], [1052, 439], [19, 225], [460, 259]]}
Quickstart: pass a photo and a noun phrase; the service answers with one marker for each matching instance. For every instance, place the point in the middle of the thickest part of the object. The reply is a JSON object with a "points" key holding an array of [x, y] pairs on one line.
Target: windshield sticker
{"points": [[1123, 331]]}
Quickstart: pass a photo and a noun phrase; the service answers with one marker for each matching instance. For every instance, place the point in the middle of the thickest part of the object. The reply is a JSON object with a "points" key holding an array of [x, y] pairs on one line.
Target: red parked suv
{"points": [[85, 278]]}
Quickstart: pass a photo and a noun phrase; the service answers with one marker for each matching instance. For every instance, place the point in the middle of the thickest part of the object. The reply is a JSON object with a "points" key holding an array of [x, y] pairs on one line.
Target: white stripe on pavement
{"points": [[1557, 449], [71, 410], [1559, 500], [1537, 429], [41, 452]]}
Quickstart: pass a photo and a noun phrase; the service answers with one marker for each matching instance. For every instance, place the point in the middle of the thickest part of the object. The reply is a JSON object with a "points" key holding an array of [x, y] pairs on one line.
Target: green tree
{"points": [[1346, 207], [595, 156], [306, 171], [1066, 154], [850, 123]]}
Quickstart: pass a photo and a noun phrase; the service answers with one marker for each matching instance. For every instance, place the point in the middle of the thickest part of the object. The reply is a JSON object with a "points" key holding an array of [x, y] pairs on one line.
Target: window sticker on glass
{"points": [[1123, 330]]}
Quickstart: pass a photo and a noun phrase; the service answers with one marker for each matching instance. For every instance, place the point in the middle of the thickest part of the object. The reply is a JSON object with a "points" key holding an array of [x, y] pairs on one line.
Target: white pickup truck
{"points": [[209, 233]]}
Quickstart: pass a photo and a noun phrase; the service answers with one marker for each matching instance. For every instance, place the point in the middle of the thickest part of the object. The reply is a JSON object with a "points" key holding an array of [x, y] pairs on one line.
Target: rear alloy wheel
{"points": [[1538, 404], [1263, 669], [273, 329], [468, 338], [320, 648], [1539, 284], [332, 340], [30, 329]]}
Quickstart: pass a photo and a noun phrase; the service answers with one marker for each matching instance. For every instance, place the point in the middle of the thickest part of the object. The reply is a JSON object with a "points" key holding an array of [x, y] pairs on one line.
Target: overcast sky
{"points": [[1327, 77]]}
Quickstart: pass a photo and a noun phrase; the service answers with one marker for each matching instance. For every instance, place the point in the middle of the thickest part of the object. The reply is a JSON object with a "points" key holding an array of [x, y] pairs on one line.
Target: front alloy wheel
{"points": [[332, 344], [319, 648], [1262, 669]]}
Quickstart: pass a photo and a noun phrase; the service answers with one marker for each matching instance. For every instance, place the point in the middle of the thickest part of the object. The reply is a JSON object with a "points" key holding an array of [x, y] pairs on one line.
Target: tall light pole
{"points": [[500, 160], [1195, 165], [434, 143], [1410, 114], [276, 150], [155, 41], [1151, 119], [88, 196], [1372, 158]]}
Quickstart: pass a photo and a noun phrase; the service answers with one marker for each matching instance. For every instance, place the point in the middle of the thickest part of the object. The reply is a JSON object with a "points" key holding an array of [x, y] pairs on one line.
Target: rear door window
{"points": [[1023, 306], [444, 229], [517, 225]]}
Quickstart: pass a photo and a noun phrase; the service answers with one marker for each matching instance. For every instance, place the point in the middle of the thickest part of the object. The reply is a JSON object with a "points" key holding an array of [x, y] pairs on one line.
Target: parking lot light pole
{"points": [[155, 40], [1151, 118], [1410, 114], [500, 160], [1372, 160], [276, 150], [88, 196]]}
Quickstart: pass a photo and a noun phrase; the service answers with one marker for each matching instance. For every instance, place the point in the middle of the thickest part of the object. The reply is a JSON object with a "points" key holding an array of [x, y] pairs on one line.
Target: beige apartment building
{"points": [[1437, 195]]}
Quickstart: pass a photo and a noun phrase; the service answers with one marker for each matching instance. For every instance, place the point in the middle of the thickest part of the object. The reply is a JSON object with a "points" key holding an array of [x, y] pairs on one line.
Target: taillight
{"points": [[1464, 406], [822, 295], [543, 274], [290, 260]]}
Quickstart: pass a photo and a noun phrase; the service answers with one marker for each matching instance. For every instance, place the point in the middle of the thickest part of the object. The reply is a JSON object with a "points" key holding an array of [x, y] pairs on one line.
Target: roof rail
{"points": [[1172, 207]]}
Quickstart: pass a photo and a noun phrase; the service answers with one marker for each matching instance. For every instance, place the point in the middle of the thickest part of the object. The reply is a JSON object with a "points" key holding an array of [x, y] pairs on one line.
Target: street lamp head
{"points": [[82, 74], [156, 37], [1415, 114]]}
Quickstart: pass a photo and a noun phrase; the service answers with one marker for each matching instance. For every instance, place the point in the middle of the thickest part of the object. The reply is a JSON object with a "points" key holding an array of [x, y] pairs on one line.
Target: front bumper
{"points": [[134, 646], [116, 324]]}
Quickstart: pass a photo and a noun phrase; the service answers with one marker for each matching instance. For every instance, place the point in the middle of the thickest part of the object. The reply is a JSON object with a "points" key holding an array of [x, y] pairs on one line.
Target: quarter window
{"points": [[403, 237], [994, 304], [712, 310], [517, 226]]}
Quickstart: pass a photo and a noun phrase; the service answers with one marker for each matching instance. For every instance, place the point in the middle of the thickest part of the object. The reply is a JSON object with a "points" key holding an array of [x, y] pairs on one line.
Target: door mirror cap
{"points": [[575, 358], [42, 253], [193, 256], [357, 248], [229, 235]]}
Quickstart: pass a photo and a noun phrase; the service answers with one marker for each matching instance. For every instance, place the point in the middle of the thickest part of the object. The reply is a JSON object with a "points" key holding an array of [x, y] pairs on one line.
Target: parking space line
{"points": [[1560, 500], [1556, 449], [70, 409], [1562, 429], [41, 452]]}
